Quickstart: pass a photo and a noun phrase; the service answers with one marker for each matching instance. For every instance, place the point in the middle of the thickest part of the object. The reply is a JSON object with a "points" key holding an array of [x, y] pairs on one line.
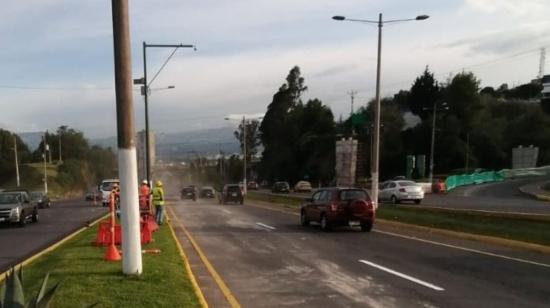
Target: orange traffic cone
{"points": [[111, 254]]}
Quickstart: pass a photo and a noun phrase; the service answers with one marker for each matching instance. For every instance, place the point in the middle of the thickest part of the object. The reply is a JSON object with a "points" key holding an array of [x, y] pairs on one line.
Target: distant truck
{"points": [[105, 189]]}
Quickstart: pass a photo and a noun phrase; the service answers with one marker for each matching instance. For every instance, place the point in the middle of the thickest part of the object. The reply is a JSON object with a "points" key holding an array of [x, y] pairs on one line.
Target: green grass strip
{"points": [[86, 278]]}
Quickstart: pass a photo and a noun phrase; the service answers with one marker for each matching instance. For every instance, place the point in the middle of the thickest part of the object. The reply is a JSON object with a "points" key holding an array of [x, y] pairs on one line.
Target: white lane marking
{"points": [[404, 276], [433, 242], [265, 226], [464, 249], [226, 211]]}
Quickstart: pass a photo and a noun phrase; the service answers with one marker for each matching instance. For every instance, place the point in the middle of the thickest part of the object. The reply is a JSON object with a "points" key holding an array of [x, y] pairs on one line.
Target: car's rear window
{"points": [[407, 183], [353, 194], [233, 188], [107, 186]]}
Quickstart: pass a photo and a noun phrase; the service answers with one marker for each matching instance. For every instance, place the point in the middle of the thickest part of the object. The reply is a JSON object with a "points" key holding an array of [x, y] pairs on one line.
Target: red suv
{"points": [[333, 207]]}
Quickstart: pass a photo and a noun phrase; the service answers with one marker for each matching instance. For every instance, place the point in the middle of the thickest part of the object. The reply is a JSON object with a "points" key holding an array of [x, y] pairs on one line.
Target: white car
{"points": [[397, 191]]}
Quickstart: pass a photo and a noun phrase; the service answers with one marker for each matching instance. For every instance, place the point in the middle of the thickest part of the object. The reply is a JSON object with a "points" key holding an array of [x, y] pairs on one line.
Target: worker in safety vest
{"points": [[158, 201], [115, 195], [144, 193]]}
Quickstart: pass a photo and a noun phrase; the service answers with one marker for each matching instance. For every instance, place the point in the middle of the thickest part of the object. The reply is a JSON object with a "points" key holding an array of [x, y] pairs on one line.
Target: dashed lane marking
{"points": [[404, 276]]}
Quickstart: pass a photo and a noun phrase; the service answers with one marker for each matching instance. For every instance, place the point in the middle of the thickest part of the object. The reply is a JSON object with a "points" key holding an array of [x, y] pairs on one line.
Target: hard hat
{"points": [[144, 182], [159, 183]]}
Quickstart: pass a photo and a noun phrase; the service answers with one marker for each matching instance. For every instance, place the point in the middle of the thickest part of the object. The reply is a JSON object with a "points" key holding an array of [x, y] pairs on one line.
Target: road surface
{"points": [[496, 197], [54, 224], [268, 260]]}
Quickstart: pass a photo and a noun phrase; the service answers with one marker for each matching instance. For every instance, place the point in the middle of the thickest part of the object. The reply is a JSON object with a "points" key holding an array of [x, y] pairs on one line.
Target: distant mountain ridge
{"points": [[170, 145]]}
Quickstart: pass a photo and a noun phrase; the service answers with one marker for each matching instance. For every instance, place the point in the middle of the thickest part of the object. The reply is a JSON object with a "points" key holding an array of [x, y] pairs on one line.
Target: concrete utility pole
{"points": [[45, 169], [16, 160], [127, 165], [60, 147], [244, 155], [352, 96], [376, 140]]}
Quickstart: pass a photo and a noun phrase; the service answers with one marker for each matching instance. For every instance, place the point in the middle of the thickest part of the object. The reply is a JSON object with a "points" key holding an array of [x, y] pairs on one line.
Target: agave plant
{"points": [[12, 296]]}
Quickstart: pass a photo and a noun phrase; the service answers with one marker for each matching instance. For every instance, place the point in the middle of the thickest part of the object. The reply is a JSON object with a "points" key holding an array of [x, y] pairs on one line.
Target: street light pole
{"points": [[376, 137], [431, 176], [16, 160], [244, 155], [45, 169], [145, 93], [376, 141], [432, 148]]}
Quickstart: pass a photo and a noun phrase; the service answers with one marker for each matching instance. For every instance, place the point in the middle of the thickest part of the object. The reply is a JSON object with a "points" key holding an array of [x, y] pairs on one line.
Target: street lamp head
{"points": [[338, 17], [171, 87], [422, 17]]}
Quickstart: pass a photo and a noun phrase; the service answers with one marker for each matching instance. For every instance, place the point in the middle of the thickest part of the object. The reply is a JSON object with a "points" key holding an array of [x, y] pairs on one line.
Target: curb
{"points": [[469, 236], [53, 246], [540, 197], [187, 266], [231, 300], [457, 234]]}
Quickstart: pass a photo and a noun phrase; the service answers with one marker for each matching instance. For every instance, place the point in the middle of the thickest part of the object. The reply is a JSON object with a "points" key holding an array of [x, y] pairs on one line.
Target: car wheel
{"points": [[417, 201], [366, 227], [22, 220], [325, 225], [35, 216], [303, 219], [394, 200]]}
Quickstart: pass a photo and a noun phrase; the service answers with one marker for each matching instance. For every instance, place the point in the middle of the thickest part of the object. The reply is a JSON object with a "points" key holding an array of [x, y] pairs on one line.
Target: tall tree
{"points": [[424, 92], [252, 138]]}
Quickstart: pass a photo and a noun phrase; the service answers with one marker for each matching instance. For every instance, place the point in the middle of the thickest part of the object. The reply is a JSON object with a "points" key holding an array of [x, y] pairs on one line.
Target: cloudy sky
{"points": [[57, 55]]}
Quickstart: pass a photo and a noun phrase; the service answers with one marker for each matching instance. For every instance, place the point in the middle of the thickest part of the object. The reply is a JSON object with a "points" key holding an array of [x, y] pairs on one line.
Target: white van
{"points": [[105, 189]]}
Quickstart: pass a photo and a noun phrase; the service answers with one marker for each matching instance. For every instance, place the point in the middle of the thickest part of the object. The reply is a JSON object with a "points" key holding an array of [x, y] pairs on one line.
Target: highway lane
{"points": [[269, 260], [497, 197], [54, 223]]}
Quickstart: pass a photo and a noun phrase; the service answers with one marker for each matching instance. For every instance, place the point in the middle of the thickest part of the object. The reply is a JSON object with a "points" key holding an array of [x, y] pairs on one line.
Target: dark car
{"points": [[252, 185], [189, 193], [92, 196], [332, 207], [207, 192], [231, 193], [281, 187], [41, 199], [16, 207]]}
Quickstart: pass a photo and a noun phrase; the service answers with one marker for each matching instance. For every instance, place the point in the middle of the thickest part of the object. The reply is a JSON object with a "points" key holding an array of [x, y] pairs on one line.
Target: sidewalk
{"points": [[535, 190]]}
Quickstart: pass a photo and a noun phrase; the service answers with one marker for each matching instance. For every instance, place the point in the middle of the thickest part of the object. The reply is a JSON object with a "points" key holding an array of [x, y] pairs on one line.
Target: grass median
{"points": [[525, 228], [86, 279]]}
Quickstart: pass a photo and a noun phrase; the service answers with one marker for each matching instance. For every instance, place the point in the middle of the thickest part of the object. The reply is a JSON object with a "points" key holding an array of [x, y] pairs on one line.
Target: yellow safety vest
{"points": [[158, 196]]}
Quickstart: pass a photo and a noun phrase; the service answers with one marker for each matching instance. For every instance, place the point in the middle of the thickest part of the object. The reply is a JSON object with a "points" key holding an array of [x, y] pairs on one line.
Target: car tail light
{"points": [[334, 207], [402, 190]]}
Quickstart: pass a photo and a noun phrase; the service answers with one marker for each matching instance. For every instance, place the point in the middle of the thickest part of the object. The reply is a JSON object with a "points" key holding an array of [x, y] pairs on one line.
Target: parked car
{"points": [[41, 199], [92, 196], [397, 191], [189, 192], [207, 192], [252, 185], [231, 193], [302, 186], [17, 207], [332, 207], [280, 187]]}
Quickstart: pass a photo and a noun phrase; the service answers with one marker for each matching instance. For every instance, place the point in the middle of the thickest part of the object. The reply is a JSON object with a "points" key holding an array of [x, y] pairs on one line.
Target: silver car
{"points": [[397, 191]]}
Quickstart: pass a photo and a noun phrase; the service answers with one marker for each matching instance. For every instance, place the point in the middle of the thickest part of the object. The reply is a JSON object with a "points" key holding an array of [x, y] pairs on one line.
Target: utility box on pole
{"points": [[346, 162]]}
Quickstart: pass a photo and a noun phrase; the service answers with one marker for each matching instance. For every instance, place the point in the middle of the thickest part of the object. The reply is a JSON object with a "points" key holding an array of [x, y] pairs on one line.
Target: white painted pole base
{"points": [[374, 189], [129, 212]]}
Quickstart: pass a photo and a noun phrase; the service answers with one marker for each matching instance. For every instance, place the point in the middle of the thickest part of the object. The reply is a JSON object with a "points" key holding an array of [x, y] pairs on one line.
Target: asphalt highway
{"points": [[268, 260], [54, 223], [496, 197]]}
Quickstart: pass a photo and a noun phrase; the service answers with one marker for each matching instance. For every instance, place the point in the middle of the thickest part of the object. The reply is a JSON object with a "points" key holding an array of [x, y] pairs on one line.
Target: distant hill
{"points": [[32, 140], [186, 144]]}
